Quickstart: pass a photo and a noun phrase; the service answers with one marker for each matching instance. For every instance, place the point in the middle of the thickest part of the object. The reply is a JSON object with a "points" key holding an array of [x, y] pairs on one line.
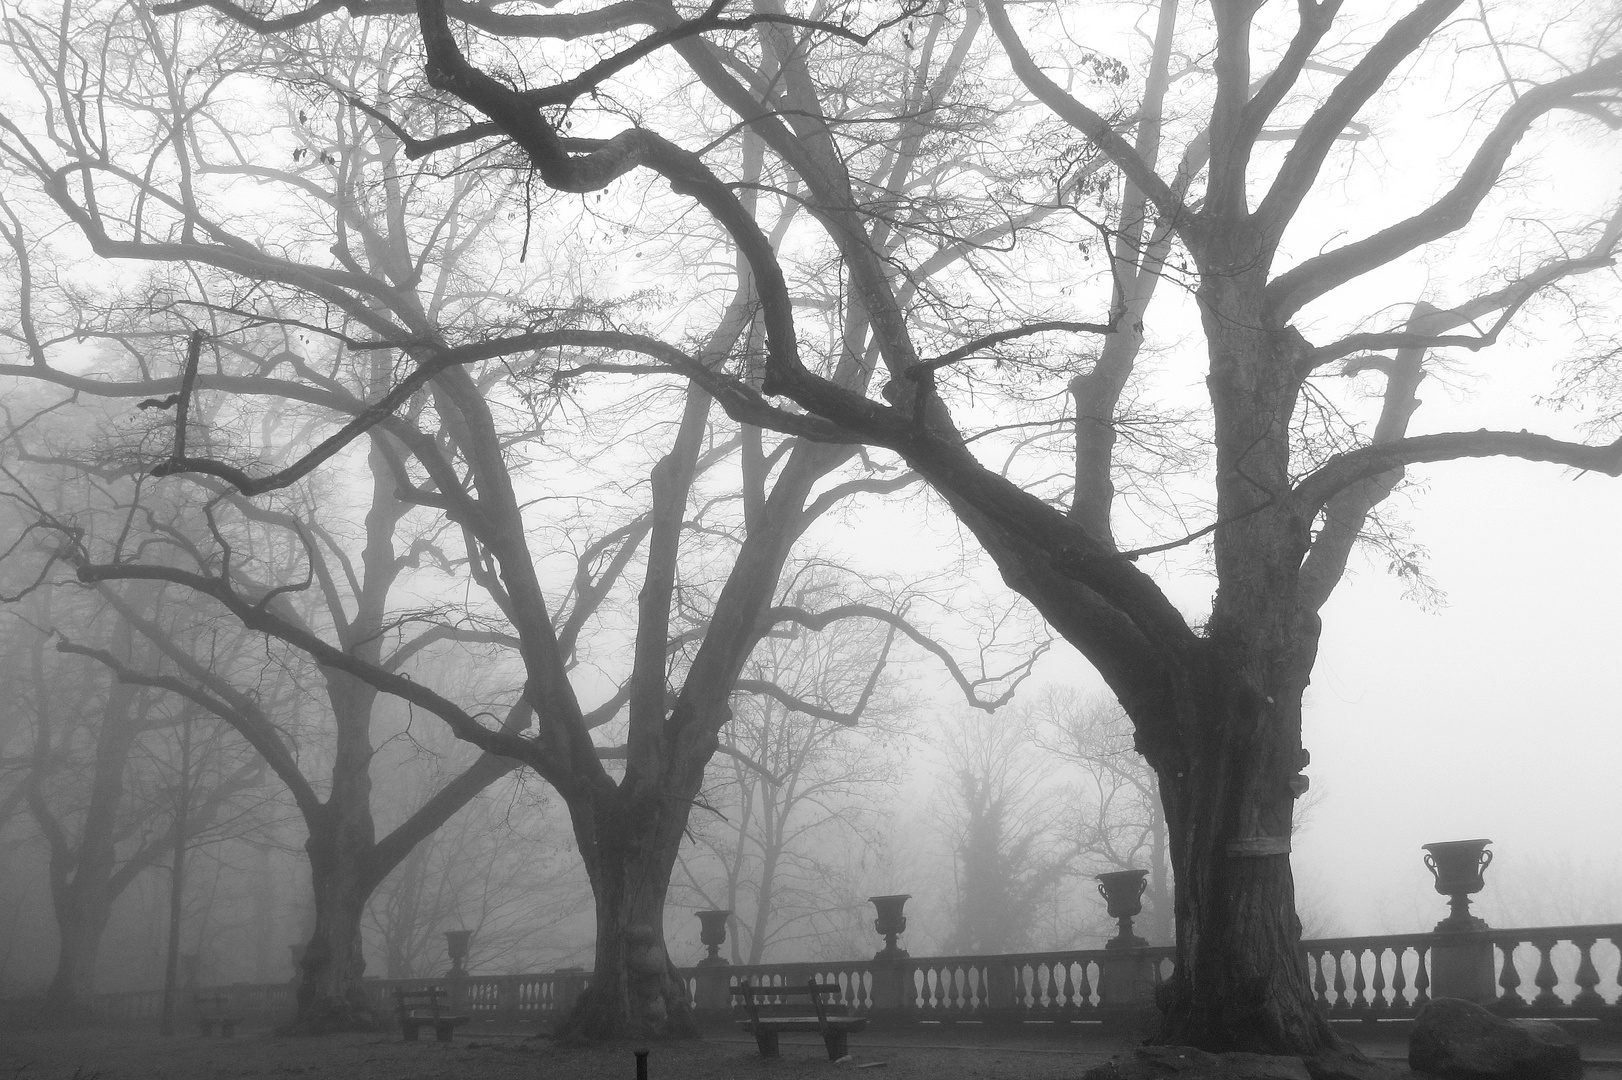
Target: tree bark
{"points": [[629, 837], [1241, 982], [80, 923], [85, 877], [330, 997]]}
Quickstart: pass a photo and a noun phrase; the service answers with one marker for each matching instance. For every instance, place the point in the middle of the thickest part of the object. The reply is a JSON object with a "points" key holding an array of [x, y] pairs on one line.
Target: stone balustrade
{"points": [[1556, 972]]}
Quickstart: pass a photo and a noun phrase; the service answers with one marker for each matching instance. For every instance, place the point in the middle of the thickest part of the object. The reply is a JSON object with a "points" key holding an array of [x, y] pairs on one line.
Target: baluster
{"points": [[1509, 979], [1341, 1004], [1546, 978], [1588, 998], [956, 978], [1019, 988], [1399, 981], [1422, 977], [1084, 999], [1360, 1001], [1616, 943], [1067, 995], [1378, 1003], [1320, 988]]}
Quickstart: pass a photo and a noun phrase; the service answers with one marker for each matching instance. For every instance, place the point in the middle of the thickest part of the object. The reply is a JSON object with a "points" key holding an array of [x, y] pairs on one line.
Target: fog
{"points": [[436, 500]]}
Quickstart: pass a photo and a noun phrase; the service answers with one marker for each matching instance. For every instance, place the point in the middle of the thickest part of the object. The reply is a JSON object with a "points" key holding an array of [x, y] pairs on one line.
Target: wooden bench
{"points": [[830, 1019], [215, 1009], [417, 1008]]}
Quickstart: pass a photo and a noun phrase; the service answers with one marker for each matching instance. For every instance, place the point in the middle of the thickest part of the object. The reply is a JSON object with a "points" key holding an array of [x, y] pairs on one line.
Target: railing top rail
{"points": [[1491, 933], [1366, 941], [805, 967], [1044, 956], [1599, 930]]}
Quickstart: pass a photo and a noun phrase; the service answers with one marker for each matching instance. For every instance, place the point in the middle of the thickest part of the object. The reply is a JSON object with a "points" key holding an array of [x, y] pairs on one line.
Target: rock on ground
{"points": [[1460, 1040]]}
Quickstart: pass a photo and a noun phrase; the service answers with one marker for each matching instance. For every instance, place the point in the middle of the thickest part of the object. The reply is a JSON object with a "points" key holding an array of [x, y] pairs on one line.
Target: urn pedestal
{"points": [[1461, 956], [456, 945], [714, 985], [892, 965], [1126, 982]]}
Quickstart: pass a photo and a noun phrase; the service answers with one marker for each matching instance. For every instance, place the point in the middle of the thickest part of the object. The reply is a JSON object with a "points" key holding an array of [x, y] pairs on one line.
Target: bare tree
{"points": [[819, 726], [473, 375], [501, 867], [893, 202], [96, 790], [1117, 819], [1001, 817]]}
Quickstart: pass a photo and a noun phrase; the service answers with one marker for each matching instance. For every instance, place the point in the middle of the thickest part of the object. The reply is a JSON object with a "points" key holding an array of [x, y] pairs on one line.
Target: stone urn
{"points": [[712, 931], [1458, 866], [456, 943], [891, 923], [1123, 891]]}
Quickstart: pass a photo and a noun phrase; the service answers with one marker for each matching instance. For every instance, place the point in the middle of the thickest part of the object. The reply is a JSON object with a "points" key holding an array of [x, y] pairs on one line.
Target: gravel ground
{"points": [[961, 1053], [131, 1055]]}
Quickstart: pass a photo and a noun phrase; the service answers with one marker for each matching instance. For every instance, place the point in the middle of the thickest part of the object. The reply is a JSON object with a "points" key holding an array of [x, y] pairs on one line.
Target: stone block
{"points": [[1460, 1040]]}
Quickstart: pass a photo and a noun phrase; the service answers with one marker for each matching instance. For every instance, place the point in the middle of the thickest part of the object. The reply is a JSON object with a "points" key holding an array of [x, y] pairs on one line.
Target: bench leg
{"points": [[409, 1030], [837, 1045], [442, 1032], [767, 1041]]}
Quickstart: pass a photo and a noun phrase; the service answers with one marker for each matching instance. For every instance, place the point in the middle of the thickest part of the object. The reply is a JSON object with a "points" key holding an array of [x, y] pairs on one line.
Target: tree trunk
{"points": [[177, 884], [1241, 982], [85, 878], [80, 923], [330, 996], [629, 837]]}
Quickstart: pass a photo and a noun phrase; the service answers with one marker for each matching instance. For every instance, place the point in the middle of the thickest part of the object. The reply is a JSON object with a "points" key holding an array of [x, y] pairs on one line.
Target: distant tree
{"points": [[1113, 814], [1003, 822], [501, 867], [818, 726], [99, 796]]}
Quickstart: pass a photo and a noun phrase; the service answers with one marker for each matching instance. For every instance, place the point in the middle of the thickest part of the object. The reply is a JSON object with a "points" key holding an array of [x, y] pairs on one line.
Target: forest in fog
{"points": [[548, 469]]}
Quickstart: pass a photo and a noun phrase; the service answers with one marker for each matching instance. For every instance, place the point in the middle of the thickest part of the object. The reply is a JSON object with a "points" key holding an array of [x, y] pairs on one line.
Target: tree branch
{"points": [[1292, 290], [1305, 158], [1343, 470]]}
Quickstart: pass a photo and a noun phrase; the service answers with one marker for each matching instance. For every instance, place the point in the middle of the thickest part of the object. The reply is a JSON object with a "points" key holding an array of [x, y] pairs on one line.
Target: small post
{"points": [[568, 983], [1004, 1009], [456, 945]]}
